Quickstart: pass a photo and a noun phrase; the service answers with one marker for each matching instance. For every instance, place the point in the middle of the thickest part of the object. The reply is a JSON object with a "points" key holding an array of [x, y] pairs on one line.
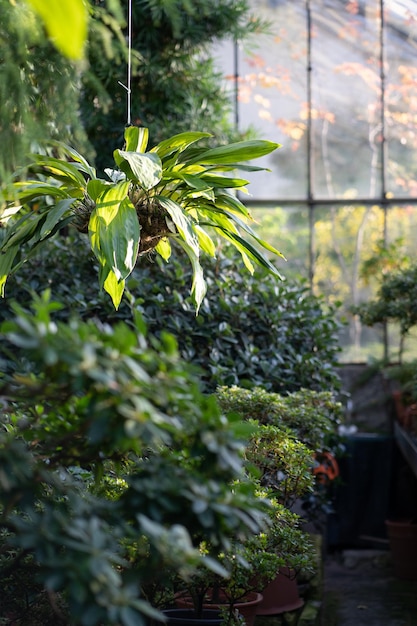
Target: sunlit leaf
{"points": [[235, 152], [145, 169], [163, 248], [115, 231], [136, 139], [66, 24], [114, 288], [199, 285], [182, 222], [178, 143], [95, 188], [205, 241]]}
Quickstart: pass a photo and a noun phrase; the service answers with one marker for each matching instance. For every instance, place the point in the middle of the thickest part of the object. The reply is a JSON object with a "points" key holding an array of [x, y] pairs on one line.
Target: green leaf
{"points": [[183, 223], [130, 617], [235, 152], [228, 201], [253, 253], [114, 288], [199, 286], [223, 181], [82, 163], [66, 24], [205, 241], [6, 263], [115, 231], [145, 169], [54, 216], [163, 248], [136, 139], [244, 226], [23, 230], [60, 170], [29, 190], [194, 182], [178, 143], [96, 187]]}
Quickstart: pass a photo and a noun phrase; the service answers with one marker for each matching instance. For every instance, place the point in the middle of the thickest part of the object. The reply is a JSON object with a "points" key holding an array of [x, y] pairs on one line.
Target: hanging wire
{"points": [[128, 87]]}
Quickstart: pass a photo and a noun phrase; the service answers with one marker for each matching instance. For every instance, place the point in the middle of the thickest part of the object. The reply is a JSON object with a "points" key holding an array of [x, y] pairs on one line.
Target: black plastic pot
{"points": [[188, 617]]}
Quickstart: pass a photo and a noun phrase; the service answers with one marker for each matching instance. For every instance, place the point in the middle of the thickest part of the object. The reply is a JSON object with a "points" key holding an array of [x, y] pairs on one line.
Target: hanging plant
{"points": [[175, 190]]}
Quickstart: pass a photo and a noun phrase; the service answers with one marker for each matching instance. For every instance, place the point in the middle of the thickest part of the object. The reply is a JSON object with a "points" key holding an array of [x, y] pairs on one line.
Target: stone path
{"points": [[361, 590]]}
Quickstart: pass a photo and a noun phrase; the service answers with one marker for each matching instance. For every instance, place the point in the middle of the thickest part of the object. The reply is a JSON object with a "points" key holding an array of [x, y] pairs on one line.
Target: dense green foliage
{"points": [[311, 416], [114, 467], [175, 85], [39, 89], [250, 331]]}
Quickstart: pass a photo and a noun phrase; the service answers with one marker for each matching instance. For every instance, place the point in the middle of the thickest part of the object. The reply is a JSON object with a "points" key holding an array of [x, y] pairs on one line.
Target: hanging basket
{"points": [[155, 222]]}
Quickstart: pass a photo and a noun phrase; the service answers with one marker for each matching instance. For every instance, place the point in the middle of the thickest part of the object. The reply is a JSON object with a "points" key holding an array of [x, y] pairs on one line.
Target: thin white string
{"points": [[128, 87]]}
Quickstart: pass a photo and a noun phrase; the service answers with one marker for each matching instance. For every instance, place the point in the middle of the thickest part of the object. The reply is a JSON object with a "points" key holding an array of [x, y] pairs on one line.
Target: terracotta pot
{"points": [[402, 537], [280, 595], [247, 607]]}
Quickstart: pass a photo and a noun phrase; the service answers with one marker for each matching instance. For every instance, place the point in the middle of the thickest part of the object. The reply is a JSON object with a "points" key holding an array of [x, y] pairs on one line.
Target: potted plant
{"points": [[251, 566], [292, 432], [177, 190]]}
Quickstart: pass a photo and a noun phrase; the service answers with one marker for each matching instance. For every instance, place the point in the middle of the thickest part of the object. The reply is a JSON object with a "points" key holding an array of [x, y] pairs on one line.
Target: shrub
{"points": [[252, 330], [114, 468]]}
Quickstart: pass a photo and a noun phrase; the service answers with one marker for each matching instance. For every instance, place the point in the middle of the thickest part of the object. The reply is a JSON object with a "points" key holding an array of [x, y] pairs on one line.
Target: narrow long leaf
{"points": [[81, 162], [6, 264], [244, 226], [29, 190], [236, 152], [199, 286], [243, 245], [223, 181], [22, 231], [183, 223], [230, 202], [54, 216], [59, 169], [178, 143], [205, 241]]}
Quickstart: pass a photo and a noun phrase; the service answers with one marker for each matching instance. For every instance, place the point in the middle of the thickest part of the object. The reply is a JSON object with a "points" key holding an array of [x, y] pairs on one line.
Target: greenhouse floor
{"points": [[360, 589]]}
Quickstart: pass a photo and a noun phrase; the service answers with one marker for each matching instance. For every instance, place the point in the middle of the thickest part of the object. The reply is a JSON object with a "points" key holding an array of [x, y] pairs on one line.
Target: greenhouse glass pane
{"points": [[346, 139], [401, 97], [402, 237], [272, 92], [287, 230], [344, 238]]}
